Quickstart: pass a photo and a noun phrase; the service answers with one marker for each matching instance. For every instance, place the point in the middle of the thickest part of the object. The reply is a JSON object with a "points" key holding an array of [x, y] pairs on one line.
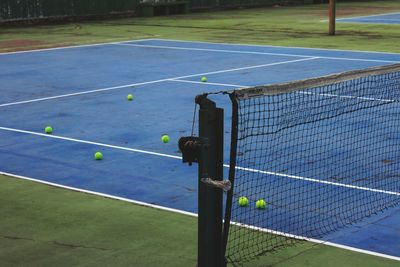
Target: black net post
{"points": [[210, 198]]}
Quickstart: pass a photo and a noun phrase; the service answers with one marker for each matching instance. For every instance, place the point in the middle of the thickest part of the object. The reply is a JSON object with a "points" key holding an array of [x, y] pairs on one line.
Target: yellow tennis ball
{"points": [[261, 204], [243, 201], [203, 79], [165, 138], [98, 156], [48, 129], [130, 97]]}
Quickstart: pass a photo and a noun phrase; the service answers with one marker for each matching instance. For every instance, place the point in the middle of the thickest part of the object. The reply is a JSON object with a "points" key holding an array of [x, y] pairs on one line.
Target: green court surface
{"points": [[43, 225]]}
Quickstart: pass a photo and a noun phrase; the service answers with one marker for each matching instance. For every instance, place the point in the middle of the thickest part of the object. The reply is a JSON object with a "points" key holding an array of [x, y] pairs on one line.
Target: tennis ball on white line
{"points": [[48, 129]]}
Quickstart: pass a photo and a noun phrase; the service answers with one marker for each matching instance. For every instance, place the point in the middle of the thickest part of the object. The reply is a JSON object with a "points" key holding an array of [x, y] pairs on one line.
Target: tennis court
{"points": [[389, 18], [81, 92]]}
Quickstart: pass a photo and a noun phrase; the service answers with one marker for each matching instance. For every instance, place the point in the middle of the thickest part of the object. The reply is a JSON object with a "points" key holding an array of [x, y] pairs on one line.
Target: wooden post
{"points": [[332, 16]]}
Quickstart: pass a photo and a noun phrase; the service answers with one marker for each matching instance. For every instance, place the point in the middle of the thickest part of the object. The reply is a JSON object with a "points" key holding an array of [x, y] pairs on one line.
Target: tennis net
{"points": [[323, 153]]}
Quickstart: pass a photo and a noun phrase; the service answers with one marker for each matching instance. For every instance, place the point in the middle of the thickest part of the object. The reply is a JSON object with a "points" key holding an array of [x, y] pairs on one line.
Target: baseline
{"points": [[255, 53]]}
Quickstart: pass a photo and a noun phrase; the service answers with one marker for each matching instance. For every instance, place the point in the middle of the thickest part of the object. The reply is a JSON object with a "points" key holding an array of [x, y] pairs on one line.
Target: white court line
{"points": [[145, 204], [372, 21], [390, 20], [278, 46], [297, 92], [179, 157], [381, 22], [211, 50], [79, 93], [320, 181], [157, 81], [246, 68], [69, 47], [209, 83], [371, 16], [255, 53], [202, 42], [349, 97], [90, 143], [362, 17], [317, 241]]}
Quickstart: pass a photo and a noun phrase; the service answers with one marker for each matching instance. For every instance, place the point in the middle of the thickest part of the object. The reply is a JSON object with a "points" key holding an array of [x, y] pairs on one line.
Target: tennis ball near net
{"points": [[130, 97], [243, 201], [98, 156], [165, 138], [261, 204], [48, 129], [203, 79]]}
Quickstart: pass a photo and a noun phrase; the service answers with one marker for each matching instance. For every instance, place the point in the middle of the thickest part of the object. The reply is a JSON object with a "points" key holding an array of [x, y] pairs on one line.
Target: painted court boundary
{"points": [[253, 52], [179, 157], [276, 46], [202, 42], [317, 241], [372, 16]]}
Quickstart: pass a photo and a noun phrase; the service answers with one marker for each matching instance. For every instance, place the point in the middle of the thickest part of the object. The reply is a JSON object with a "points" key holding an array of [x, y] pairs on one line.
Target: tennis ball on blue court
{"points": [[261, 204], [130, 97], [243, 201], [48, 129], [98, 156], [203, 79], [165, 138]]}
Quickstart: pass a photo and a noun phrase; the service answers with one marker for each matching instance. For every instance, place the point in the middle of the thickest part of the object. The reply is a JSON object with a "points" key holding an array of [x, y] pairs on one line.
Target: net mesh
{"points": [[321, 157]]}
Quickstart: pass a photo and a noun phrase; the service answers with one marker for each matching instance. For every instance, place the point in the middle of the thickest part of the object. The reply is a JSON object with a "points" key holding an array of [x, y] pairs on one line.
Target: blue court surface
{"points": [[389, 18], [81, 92]]}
